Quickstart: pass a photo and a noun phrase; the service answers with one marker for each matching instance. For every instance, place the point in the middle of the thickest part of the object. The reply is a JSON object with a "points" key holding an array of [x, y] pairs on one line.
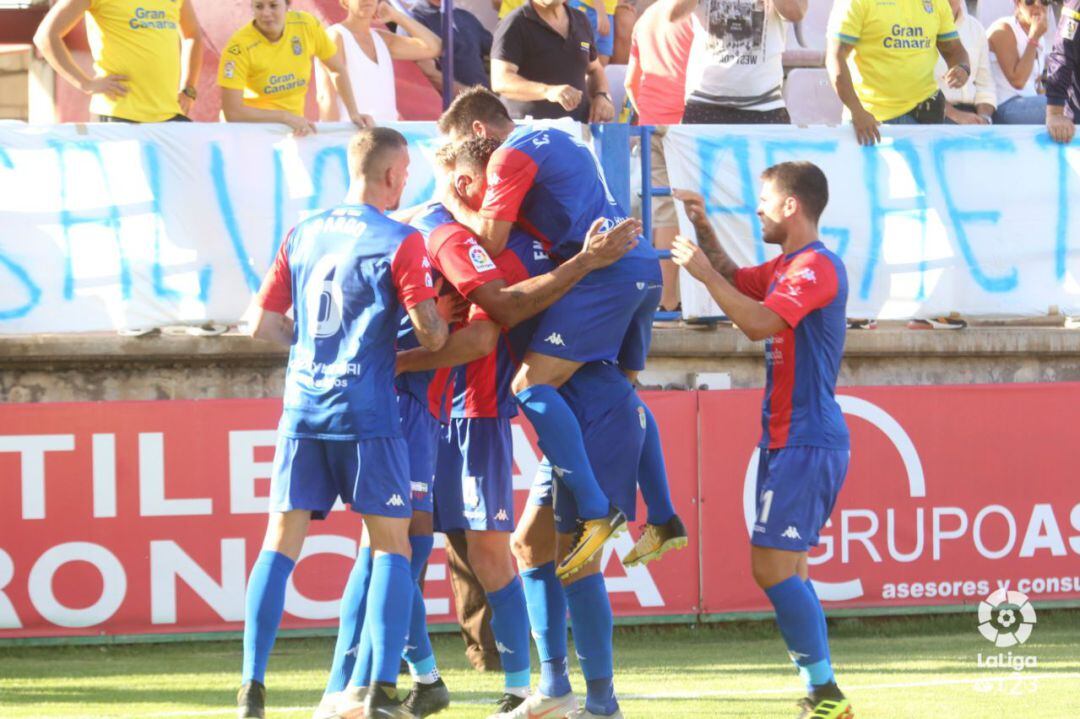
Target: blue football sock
{"points": [[510, 625], [361, 675], [353, 607], [560, 439], [652, 474], [590, 617], [263, 607], [390, 601], [798, 616], [546, 602], [418, 651], [821, 619]]}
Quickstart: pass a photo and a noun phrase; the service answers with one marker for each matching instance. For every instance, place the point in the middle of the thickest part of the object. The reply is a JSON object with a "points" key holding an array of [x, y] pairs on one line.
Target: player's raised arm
{"points": [[694, 204]]}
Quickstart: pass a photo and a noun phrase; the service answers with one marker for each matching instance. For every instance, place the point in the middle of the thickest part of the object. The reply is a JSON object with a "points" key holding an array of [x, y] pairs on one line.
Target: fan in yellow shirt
{"points": [[265, 70], [144, 52], [881, 59]]}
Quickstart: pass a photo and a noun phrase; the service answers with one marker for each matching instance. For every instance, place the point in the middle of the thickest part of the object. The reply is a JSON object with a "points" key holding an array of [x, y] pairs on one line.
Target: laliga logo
{"points": [[853, 589], [1006, 618]]}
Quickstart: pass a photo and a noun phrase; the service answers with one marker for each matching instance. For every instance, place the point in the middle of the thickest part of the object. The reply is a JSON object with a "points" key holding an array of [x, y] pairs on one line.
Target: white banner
{"points": [[120, 227], [983, 221]]}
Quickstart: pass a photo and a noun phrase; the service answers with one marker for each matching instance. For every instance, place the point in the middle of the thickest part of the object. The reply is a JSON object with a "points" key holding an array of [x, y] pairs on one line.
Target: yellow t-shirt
{"points": [[275, 75], [141, 40], [895, 44], [509, 6]]}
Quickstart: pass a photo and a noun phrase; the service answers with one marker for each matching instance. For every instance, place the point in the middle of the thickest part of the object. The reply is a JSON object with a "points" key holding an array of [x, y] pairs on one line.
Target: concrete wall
{"points": [[79, 368]]}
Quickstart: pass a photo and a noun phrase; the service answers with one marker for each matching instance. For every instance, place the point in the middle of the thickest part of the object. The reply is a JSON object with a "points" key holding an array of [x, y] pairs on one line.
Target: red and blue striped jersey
{"points": [[482, 387], [346, 273], [808, 289], [551, 184]]}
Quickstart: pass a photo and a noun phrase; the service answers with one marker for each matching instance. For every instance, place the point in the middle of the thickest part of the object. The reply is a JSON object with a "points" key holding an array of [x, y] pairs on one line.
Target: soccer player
{"points": [[346, 273], [797, 303], [474, 475], [551, 185]]}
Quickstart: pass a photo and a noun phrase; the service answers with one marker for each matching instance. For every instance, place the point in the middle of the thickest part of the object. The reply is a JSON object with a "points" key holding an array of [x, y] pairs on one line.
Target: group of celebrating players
{"points": [[415, 339]]}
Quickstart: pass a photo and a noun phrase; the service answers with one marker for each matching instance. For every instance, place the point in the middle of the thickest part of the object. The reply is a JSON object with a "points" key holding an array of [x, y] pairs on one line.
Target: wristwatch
{"points": [[603, 94], [966, 68], [190, 92], [989, 120]]}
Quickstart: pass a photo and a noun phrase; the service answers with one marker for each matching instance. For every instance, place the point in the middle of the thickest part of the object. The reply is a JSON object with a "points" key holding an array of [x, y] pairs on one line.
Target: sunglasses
{"points": [[1046, 3]]}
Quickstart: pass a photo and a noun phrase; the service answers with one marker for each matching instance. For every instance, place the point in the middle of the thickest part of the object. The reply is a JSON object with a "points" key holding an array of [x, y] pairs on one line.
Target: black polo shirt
{"points": [[543, 55]]}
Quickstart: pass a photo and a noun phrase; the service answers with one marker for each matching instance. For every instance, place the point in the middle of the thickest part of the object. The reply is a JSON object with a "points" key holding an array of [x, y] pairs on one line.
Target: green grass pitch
{"points": [[910, 668]]}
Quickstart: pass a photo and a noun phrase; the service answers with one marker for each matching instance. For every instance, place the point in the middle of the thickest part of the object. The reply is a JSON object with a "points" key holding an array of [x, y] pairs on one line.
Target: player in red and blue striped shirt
{"points": [[796, 302]]}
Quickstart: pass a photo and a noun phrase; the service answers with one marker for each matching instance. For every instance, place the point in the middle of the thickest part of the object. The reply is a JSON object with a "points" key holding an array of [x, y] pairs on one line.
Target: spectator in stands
{"points": [[145, 67], [368, 53], [1063, 77], [544, 64], [736, 71], [1019, 63], [881, 59], [625, 19], [601, 14], [472, 46], [505, 7], [266, 68], [974, 103], [655, 86]]}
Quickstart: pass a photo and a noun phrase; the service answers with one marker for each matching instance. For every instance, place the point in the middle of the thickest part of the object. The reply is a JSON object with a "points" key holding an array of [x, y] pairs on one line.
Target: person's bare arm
{"points": [[422, 44], [694, 204], [191, 56], [325, 90], [339, 78], [491, 234], [476, 340], [865, 124], [791, 10], [269, 326], [506, 81], [633, 82], [601, 108], [234, 109], [679, 9], [431, 329], [510, 305], [1017, 67], [754, 319], [956, 58], [49, 40]]}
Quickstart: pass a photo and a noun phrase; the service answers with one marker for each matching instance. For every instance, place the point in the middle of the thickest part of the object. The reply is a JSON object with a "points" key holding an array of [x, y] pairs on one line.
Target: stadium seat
{"points": [[810, 98]]}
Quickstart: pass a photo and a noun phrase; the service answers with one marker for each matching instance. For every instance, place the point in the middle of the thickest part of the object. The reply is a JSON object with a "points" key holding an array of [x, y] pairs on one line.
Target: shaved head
{"points": [[373, 151]]}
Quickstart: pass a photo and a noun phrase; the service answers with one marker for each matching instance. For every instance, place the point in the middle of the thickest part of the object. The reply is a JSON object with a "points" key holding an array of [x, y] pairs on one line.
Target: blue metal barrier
{"points": [[447, 52]]}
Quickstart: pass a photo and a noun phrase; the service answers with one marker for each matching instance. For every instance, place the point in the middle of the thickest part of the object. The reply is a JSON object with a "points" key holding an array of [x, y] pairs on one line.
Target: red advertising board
{"points": [[143, 517], [135, 517]]}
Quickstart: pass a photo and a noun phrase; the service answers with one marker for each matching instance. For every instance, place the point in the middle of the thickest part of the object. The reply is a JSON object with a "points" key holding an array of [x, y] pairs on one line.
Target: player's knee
{"points": [[492, 564]]}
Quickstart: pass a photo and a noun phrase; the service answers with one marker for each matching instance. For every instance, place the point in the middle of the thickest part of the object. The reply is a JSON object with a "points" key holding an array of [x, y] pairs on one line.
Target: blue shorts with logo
{"points": [[606, 316], [421, 431], [371, 476], [613, 443], [796, 491], [605, 44], [474, 476]]}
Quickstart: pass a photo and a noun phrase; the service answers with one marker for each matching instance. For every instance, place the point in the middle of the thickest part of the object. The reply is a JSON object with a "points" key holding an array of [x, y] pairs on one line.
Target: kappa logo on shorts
{"points": [[791, 533], [555, 339], [502, 516], [395, 501]]}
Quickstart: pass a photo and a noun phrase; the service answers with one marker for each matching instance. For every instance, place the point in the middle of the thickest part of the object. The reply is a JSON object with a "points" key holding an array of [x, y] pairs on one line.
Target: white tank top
{"points": [[372, 82], [1005, 90]]}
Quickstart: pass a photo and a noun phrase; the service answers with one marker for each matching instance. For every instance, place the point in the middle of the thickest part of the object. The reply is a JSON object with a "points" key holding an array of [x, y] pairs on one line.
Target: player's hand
{"points": [[866, 127], [567, 96], [689, 256], [1061, 128], [1039, 26], [603, 248], [111, 86], [693, 204], [361, 120], [956, 77], [452, 307], [300, 126], [601, 110]]}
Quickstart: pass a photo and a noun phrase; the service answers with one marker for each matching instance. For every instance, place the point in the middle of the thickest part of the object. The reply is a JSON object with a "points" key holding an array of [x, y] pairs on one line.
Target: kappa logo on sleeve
{"points": [[481, 262]]}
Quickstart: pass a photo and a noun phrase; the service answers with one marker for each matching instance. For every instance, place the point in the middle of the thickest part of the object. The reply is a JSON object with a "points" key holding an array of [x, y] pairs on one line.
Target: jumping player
{"points": [[550, 184], [796, 303], [346, 273]]}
